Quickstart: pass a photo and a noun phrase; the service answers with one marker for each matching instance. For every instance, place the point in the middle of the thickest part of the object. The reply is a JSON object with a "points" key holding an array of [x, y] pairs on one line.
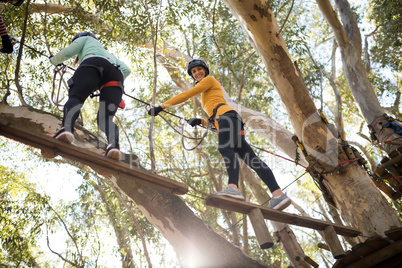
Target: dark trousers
{"points": [[232, 145], [91, 75]]}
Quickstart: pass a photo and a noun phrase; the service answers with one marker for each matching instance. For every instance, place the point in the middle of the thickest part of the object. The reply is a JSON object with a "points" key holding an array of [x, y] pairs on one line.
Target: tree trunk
{"points": [[359, 201], [349, 40], [194, 242]]}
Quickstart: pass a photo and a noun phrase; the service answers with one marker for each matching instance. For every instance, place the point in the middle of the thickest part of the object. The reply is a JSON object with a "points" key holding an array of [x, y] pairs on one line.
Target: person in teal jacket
{"points": [[98, 69]]}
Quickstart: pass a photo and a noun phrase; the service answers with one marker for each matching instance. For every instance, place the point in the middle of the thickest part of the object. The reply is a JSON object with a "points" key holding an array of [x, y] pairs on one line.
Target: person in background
{"points": [[232, 143], [7, 45], [98, 69]]}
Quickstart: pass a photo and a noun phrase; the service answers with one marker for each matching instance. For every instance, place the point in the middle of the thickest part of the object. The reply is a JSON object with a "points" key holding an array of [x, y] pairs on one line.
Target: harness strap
{"points": [[211, 119], [112, 84], [122, 104], [98, 68]]}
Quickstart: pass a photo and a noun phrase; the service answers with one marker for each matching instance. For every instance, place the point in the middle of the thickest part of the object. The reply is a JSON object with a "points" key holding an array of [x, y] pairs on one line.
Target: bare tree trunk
{"points": [[350, 43], [355, 195]]}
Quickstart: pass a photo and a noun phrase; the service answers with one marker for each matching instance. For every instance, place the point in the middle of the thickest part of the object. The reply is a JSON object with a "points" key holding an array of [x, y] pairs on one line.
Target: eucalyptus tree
{"points": [[125, 22], [348, 37], [321, 145]]}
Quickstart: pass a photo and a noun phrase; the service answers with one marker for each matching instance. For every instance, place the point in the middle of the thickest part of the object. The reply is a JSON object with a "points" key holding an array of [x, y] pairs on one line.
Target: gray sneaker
{"points": [[231, 192], [280, 203]]}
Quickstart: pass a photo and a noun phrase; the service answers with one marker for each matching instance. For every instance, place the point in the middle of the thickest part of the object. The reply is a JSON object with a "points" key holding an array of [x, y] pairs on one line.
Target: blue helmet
{"points": [[197, 62], [84, 34]]}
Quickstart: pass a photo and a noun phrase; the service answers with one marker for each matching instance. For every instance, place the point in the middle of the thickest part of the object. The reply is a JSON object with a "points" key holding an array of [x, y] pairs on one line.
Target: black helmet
{"points": [[197, 62], [84, 34]]}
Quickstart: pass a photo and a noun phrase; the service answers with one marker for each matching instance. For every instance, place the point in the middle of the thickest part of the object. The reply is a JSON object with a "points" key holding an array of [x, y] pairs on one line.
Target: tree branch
{"points": [[333, 21], [17, 67]]}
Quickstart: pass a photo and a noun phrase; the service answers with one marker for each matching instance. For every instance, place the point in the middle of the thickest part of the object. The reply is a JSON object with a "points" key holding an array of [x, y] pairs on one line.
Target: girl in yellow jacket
{"points": [[230, 126]]}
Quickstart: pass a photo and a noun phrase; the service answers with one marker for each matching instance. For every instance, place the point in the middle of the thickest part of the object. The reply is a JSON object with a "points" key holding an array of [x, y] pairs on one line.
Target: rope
{"points": [[42, 54], [200, 139], [290, 160], [57, 70], [371, 130]]}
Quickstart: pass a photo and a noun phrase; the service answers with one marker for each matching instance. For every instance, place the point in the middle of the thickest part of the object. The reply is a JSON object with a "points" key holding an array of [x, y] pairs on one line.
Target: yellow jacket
{"points": [[211, 95]]}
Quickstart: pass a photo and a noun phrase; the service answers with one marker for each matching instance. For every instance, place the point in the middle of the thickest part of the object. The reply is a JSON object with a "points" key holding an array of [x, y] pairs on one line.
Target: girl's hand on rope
{"points": [[154, 111], [194, 122]]}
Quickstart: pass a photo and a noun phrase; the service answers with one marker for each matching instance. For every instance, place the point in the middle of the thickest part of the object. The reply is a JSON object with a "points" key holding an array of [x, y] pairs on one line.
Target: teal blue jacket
{"points": [[86, 47]]}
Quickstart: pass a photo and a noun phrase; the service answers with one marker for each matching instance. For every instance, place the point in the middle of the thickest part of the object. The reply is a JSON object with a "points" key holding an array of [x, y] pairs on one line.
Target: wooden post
{"points": [[323, 246], [310, 261], [302, 262], [260, 229], [333, 242]]}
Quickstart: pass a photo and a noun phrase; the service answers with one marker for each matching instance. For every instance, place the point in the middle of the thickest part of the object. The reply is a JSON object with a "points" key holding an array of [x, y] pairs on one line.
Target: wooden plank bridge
{"points": [[258, 213], [96, 161], [244, 207]]}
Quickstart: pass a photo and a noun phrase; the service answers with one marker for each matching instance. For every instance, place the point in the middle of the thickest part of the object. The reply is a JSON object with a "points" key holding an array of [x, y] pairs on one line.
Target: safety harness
{"points": [[212, 118], [122, 104]]}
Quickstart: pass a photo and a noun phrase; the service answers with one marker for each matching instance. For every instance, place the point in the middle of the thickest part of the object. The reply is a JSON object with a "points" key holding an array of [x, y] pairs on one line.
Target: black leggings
{"points": [[91, 75], [232, 144]]}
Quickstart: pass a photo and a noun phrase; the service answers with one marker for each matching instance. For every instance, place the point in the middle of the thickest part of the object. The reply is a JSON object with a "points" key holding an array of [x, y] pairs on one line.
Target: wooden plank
{"points": [[379, 256], [260, 229], [333, 242], [244, 207], [394, 234], [94, 160], [384, 187], [395, 261], [369, 246], [348, 259]]}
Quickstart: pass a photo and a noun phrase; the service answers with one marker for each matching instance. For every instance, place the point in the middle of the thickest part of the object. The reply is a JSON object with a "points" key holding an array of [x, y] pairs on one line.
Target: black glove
{"points": [[194, 122], [154, 111], [7, 45]]}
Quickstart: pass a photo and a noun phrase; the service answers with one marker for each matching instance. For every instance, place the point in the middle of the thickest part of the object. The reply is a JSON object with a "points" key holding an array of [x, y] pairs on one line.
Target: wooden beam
{"points": [[94, 160], [260, 229], [332, 240], [244, 207]]}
